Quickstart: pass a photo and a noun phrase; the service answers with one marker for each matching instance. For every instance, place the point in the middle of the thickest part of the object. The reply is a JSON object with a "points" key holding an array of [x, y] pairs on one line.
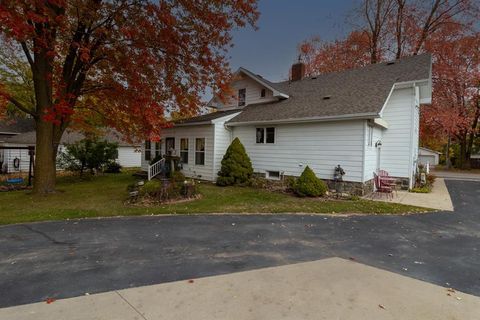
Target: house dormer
{"points": [[248, 88]]}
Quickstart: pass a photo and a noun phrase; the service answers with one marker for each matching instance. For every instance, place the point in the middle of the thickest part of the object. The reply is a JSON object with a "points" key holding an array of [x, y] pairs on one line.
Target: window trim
{"points": [[182, 151], [269, 177], [265, 135], [244, 102], [204, 149]]}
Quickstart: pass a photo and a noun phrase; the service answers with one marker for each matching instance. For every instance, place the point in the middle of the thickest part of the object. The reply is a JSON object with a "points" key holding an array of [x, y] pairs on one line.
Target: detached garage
{"points": [[429, 156]]}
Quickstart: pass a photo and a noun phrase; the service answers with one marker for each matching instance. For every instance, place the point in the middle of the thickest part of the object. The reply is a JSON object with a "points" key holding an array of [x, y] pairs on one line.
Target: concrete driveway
{"points": [[73, 258]]}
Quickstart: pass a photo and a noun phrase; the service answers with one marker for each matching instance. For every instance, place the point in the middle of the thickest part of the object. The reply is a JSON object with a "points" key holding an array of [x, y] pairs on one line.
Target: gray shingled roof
{"points": [[206, 118], [354, 92], [28, 138], [17, 126]]}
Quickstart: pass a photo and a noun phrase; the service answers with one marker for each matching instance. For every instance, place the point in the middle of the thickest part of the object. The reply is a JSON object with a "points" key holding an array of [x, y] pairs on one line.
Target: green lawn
{"points": [[105, 196]]}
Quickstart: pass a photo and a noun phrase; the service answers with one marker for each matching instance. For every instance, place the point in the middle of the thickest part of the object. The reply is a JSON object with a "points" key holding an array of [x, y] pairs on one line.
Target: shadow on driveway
{"points": [[71, 258]]}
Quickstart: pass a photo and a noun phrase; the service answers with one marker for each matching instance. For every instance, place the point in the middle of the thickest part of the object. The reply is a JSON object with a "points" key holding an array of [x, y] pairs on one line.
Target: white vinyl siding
{"points": [[253, 93], [222, 142], [371, 152], [322, 146], [129, 157], [10, 155], [397, 142]]}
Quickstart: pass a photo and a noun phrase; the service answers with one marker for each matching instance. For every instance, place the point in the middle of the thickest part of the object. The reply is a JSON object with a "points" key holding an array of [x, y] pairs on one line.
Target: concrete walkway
{"points": [[324, 289], [438, 199]]}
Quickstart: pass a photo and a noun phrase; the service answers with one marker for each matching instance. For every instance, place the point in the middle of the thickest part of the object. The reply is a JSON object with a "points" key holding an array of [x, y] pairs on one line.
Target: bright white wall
{"points": [[129, 156], [321, 145], [252, 94], [10, 155], [397, 141], [371, 152]]}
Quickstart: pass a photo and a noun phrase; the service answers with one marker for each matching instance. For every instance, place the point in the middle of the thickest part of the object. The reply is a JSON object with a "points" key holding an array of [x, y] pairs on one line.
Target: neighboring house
{"points": [[9, 129], [129, 155], [429, 156], [475, 161], [363, 120]]}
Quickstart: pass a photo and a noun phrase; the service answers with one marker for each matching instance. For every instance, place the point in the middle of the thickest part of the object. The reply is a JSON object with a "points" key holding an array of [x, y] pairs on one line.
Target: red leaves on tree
{"points": [[126, 62]]}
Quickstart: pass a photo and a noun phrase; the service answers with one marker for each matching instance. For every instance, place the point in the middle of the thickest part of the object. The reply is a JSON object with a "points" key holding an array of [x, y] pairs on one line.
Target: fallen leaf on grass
{"points": [[49, 300], [190, 281], [381, 306]]}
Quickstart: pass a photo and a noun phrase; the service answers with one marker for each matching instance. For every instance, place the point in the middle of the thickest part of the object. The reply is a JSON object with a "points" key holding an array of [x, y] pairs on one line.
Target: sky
{"points": [[283, 24]]}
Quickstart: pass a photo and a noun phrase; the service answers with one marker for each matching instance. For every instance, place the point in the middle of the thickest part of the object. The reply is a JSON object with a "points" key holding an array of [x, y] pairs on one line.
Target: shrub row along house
{"points": [[363, 119]]}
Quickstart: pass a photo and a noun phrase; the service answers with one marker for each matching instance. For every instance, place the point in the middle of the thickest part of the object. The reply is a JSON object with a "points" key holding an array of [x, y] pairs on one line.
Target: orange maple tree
{"points": [[126, 61]]}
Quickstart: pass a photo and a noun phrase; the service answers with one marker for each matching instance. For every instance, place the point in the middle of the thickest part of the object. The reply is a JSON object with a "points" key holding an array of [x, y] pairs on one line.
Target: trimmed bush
{"points": [[236, 166], [151, 188], [308, 185]]}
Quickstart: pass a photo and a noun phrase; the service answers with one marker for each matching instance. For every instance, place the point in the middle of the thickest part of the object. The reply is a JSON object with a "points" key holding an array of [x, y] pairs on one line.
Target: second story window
{"points": [[242, 97], [262, 93]]}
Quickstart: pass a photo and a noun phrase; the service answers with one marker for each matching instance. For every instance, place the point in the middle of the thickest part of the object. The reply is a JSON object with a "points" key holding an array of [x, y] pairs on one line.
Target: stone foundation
{"points": [[352, 188], [349, 187]]}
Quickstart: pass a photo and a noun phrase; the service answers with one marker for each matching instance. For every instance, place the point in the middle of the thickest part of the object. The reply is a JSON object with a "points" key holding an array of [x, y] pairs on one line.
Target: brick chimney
{"points": [[298, 70]]}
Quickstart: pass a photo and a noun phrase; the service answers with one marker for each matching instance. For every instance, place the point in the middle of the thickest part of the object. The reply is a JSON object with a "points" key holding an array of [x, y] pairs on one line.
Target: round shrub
{"points": [[151, 188], [236, 166], [308, 185]]}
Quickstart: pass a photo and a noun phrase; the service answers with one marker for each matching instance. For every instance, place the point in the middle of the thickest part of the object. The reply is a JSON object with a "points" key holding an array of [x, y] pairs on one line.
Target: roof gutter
{"points": [[355, 116], [192, 123]]}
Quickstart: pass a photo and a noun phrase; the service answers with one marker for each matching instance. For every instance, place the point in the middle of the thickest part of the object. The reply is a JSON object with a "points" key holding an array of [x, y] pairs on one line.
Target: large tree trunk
{"points": [[45, 159]]}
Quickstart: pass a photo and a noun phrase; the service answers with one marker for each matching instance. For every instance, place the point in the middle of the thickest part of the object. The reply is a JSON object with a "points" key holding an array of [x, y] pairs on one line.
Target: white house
{"points": [[428, 156], [18, 160], [364, 120]]}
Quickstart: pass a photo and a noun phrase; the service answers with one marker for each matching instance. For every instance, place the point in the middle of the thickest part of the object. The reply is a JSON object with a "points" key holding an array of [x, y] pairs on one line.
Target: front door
{"points": [[170, 146]]}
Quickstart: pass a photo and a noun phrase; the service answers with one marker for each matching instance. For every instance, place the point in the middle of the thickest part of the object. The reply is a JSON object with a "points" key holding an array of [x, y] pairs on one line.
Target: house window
{"points": [[184, 150], [370, 136], [274, 175], [265, 135], [148, 150], [158, 146], [270, 135], [200, 151], [260, 135], [241, 97], [262, 93]]}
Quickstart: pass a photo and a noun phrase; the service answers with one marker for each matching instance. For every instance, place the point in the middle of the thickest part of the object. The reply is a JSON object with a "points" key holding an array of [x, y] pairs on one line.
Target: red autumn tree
{"points": [[455, 110], [323, 57], [127, 61]]}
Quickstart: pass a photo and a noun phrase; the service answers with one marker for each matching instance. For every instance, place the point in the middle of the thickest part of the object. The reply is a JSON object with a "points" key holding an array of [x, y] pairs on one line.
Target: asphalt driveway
{"points": [[73, 258]]}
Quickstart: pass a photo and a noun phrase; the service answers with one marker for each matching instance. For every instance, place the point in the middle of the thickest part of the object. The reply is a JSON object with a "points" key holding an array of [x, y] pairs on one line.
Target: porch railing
{"points": [[155, 168]]}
